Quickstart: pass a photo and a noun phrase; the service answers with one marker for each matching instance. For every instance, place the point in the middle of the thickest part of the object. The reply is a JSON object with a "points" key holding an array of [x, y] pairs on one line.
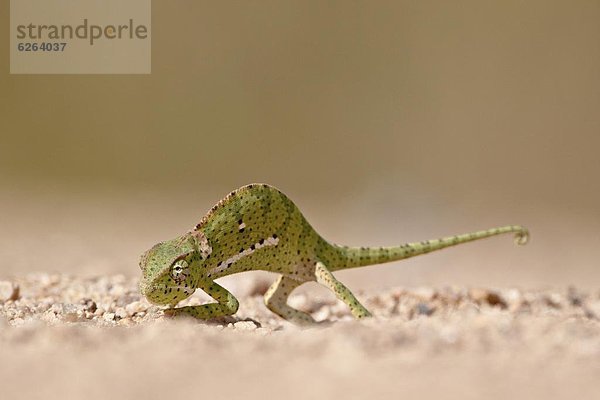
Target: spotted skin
{"points": [[258, 228]]}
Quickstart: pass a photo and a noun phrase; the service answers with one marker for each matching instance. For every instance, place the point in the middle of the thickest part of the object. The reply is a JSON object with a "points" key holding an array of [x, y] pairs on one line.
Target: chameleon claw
{"points": [[522, 237], [170, 313]]}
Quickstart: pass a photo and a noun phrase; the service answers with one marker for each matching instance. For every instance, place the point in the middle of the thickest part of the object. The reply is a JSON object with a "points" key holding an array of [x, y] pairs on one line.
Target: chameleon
{"points": [[257, 227]]}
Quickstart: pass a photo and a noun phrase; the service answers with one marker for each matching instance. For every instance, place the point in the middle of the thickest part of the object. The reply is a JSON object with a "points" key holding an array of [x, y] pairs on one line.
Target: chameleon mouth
{"points": [[161, 294]]}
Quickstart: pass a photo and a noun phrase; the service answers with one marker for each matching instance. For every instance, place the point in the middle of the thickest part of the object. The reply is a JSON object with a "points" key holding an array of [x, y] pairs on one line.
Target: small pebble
{"points": [[594, 308], [109, 317], [136, 307], [575, 298], [490, 297], [9, 291], [71, 313], [297, 301], [89, 305], [553, 300], [121, 313], [469, 308], [424, 309], [245, 325]]}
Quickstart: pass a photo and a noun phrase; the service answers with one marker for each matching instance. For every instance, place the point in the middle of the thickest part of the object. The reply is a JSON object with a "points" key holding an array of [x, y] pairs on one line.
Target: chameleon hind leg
{"points": [[326, 278], [276, 301]]}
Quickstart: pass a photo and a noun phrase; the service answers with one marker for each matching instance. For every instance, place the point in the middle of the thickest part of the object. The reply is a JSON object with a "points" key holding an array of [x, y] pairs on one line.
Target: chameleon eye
{"points": [[180, 271]]}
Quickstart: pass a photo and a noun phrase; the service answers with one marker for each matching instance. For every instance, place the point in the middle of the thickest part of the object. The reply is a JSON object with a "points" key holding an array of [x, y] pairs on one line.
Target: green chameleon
{"points": [[258, 228]]}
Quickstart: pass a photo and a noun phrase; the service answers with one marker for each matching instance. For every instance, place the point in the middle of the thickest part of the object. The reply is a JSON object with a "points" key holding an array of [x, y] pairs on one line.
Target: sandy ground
{"points": [[71, 338]]}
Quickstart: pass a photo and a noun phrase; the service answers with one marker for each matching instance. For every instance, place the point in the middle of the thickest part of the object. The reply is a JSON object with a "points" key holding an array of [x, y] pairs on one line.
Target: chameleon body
{"points": [[257, 227]]}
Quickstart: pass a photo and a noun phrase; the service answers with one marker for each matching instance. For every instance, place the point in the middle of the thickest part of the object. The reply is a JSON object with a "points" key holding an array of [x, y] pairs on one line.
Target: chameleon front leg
{"points": [[226, 303], [326, 278], [276, 301]]}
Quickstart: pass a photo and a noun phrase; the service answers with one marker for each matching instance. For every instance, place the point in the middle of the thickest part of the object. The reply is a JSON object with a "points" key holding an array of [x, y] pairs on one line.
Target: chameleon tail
{"points": [[351, 257]]}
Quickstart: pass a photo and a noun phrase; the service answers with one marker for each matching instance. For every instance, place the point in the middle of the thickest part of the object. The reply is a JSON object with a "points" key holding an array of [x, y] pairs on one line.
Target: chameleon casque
{"points": [[257, 227]]}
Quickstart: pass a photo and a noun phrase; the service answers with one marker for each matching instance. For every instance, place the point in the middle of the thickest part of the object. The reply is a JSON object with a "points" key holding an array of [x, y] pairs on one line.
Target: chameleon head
{"points": [[170, 270]]}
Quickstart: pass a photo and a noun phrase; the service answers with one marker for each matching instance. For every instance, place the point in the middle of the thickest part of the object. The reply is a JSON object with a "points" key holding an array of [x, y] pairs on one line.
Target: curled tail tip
{"points": [[521, 236]]}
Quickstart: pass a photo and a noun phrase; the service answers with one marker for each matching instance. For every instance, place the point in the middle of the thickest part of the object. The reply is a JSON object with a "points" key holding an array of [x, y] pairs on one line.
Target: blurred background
{"points": [[385, 122]]}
